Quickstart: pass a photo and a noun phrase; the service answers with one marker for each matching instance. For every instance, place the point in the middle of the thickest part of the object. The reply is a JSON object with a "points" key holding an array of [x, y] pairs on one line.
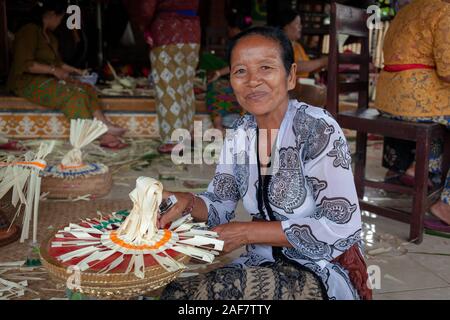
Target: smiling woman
{"points": [[289, 163], [260, 79]]}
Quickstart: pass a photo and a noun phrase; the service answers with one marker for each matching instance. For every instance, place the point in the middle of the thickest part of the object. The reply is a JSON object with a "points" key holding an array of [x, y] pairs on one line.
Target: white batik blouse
{"points": [[311, 191]]}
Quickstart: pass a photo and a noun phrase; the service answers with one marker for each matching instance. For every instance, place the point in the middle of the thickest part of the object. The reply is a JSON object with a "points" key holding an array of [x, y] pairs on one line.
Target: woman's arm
{"points": [[312, 65], [238, 234], [218, 73], [215, 206], [39, 68], [185, 200], [71, 69]]}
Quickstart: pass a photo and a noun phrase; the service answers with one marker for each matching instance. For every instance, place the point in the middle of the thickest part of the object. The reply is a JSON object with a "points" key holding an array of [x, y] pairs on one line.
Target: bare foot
{"points": [[442, 211], [116, 131], [109, 139], [411, 171]]}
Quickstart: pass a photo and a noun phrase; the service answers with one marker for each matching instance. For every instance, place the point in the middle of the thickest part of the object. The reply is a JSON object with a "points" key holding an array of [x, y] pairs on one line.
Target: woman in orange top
{"points": [[415, 83], [290, 22]]}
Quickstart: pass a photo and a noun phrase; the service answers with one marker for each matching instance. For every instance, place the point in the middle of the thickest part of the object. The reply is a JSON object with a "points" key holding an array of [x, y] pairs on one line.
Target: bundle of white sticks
{"points": [[22, 176]]}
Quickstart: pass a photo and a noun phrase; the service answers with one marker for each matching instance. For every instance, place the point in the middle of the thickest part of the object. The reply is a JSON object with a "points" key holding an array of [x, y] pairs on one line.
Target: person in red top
{"points": [[172, 30]]}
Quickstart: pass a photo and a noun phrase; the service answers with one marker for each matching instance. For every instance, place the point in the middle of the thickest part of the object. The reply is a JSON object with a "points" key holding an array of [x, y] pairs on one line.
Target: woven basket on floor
{"points": [[66, 188], [108, 285]]}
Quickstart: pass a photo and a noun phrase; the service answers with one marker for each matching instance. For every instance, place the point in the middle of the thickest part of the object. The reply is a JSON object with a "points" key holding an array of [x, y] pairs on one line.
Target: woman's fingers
{"points": [[171, 215]]}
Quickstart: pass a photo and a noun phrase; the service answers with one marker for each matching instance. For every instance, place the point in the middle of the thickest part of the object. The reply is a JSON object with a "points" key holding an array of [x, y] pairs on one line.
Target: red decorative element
{"points": [[96, 266], [404, 67], [354, 263]]}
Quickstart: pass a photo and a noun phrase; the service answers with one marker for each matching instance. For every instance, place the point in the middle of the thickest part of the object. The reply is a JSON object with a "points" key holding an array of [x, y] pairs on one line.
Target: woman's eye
{"points": [[239, 71], [266, 67]]}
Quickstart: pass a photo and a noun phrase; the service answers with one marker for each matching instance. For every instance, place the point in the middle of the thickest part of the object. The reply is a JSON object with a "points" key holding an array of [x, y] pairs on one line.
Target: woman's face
{"points": [[293, 30], [258, 76], [54, 20]]}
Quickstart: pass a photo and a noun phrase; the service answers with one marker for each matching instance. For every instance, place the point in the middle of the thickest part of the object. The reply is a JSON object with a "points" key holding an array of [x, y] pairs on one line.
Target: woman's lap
{"points": [[75, 100], [279, 281]]}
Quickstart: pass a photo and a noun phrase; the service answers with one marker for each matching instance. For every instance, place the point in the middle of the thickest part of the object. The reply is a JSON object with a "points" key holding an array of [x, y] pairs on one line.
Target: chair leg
{"points": [[423, 147], [360, 163]]}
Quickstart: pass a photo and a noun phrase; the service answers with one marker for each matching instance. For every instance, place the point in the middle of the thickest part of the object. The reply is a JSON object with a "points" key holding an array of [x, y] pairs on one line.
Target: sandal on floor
{"points": [[437, 225], [114, 145], [166, 148], [409, 181], [438, 221], [12, 146]]}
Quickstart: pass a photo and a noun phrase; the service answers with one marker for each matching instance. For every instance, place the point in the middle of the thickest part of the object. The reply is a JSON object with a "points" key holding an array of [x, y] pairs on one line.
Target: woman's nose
{"points": [[254, 79]]}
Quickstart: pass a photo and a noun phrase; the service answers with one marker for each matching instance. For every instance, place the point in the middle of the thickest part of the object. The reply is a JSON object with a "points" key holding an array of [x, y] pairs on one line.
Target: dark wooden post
{"points": [[4, 47]]}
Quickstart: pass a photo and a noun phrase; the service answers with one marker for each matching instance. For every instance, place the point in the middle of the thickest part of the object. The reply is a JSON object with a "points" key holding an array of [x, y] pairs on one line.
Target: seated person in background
{"points": [[220, 99], [38, 74], [290, 22], [289, 163], [415, 83]]}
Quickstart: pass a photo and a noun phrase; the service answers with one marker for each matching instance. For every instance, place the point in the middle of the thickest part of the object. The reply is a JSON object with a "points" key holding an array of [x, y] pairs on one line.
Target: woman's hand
{"points": [[61, 74], [74, 70], [234, 235], [80, 72], [324, 62], [184, 200]]}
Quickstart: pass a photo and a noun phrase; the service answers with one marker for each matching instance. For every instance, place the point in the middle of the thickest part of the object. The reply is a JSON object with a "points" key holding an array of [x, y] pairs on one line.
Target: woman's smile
{"points": [[256, 96]]}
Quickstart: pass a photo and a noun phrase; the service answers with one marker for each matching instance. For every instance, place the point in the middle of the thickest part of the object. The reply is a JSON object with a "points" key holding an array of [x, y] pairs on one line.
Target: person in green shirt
{"points": [[39, 75]]}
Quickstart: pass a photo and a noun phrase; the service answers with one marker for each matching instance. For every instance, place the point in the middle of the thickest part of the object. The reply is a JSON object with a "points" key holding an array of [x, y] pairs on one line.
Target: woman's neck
{"points": [[45, 26], [273, 119]]}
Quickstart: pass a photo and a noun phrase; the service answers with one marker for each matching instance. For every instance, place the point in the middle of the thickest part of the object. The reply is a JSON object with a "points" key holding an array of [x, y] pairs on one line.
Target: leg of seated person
{"points": [[441, 209]]}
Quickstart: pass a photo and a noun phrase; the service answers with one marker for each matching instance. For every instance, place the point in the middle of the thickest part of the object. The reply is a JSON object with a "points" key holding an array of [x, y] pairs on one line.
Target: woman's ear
{"points": [[292, 78]]}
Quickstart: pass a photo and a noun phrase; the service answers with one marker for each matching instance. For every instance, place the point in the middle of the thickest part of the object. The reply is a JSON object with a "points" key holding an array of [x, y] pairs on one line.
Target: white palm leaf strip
{"points": [[23, 176], [82, 133], [3, 138], [139, 228]]}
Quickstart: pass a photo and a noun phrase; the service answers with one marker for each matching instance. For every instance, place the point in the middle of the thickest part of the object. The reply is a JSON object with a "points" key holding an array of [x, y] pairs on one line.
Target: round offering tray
{"points": [[115, 284]]}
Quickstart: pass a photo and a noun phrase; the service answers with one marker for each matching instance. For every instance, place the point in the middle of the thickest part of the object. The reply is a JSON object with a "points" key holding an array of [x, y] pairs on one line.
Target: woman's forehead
{"points": [[266, 47]]}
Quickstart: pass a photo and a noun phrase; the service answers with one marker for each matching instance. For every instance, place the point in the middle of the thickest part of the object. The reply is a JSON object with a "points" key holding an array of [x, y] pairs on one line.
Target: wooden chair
{"points": [[352, 21]]}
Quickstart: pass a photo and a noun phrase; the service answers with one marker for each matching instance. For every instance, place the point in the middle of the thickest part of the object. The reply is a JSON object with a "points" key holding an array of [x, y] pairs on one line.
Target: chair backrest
{"points": [[346, 20]]}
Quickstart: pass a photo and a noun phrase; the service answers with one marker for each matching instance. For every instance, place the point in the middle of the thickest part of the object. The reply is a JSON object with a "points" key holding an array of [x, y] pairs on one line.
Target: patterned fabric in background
{"points": [[75, 99], [220, 99], [398, 154], [417, 35], [173, 71], [166, 21], [173, 28], [273, 281]]}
